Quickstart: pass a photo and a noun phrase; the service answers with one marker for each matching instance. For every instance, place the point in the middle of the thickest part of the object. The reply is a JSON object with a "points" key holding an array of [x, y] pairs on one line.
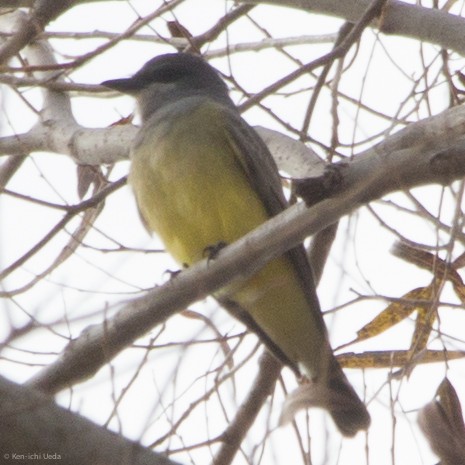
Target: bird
{"points": [[202, 176]]}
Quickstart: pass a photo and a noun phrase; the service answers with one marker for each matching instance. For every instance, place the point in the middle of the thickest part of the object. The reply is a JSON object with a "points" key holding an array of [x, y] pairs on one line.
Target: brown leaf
{"points": [[178, 30], [450, 403], [459, 290], [428, 261], [459, 262], [423, 326], [442, 423], [122, 121], [394, 358], [395, 312]]}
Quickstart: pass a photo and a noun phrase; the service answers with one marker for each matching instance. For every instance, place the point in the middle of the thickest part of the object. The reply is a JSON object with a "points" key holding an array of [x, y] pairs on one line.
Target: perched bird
{"points": [[202, 176]]}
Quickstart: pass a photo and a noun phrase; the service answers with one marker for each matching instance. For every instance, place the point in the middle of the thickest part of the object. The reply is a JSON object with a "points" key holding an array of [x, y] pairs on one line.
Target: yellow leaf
{"points": [[423, 325], [395, 312], [394, 358]]}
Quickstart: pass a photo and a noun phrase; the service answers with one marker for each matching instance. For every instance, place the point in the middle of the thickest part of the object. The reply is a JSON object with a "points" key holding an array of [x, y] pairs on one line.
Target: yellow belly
{"points": [[193, 193]]}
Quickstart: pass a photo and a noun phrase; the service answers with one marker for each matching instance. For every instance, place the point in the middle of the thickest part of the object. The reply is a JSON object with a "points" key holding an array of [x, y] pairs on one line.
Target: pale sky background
{"points": [[359, 264]]}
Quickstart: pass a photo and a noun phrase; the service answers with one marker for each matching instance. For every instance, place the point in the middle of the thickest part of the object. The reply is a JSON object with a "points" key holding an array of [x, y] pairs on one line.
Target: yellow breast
{"points": [[190, 188]]}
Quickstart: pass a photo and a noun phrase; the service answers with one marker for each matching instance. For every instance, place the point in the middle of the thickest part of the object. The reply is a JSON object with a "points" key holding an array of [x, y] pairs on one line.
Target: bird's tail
{"points": [[333, 393], [346, 408]]}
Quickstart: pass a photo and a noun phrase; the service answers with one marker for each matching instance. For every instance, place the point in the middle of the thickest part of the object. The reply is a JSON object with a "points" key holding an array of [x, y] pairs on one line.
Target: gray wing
{"points": [[261, 169], [257, 162]]}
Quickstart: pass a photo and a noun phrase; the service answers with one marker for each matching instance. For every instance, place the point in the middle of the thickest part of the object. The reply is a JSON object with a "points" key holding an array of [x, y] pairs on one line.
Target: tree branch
{"points": [[34, 426], [41, 14], [399, 18]]}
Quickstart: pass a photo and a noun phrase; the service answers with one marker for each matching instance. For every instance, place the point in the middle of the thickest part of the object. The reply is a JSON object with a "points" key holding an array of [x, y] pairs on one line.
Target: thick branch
{"points": [[33, 425], [412, 157], [40, 15], [86, 146], [425, 24]]}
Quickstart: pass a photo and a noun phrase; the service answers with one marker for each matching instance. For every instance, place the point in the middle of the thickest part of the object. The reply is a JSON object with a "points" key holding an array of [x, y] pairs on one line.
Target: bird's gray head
{"points": [[169, 78]]}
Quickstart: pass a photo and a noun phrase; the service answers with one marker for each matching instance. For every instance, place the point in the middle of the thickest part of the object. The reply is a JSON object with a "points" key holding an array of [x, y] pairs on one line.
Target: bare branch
{"points": [[33, 425], [399, 18], [40, 15]]}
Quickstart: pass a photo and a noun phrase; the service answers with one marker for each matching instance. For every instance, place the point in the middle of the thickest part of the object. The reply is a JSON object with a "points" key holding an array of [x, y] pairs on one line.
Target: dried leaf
{"points": [[460, 76], [459, 290], [455, 278], [450, 403], [423, 326], [459, 262], [428, 261], [178, 30], [442, 423], [395, 358], [395, 313], [125, 120]]}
